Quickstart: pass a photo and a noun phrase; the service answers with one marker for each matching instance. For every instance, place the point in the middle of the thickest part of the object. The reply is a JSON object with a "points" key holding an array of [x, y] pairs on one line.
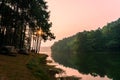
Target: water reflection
{"points": [[95, 65], [100, 64]]}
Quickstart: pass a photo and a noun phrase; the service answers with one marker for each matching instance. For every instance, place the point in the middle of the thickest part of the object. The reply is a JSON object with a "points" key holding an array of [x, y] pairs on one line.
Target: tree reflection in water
{"points": [[100, 64]]}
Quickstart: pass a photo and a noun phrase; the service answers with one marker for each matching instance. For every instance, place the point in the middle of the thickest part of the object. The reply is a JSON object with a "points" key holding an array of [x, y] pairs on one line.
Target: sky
{"points": [[72, 16]]}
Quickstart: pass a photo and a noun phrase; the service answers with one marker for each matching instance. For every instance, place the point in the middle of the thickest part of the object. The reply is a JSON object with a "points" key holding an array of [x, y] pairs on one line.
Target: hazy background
{"points": [[72, 16]]}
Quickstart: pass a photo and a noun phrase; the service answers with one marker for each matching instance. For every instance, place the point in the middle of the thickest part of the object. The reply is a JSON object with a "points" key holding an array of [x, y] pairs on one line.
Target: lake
{"points": [[70, 71]]}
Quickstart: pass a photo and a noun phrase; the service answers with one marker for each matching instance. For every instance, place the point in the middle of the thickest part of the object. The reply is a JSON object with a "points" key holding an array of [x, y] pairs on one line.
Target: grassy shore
{"points": [[26, 67]]}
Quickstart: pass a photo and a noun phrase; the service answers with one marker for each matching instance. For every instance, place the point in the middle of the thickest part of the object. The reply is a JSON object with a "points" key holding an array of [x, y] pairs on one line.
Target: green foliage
{"points": [[77, 51], [38, 67], [15, 15], [105, 39]]}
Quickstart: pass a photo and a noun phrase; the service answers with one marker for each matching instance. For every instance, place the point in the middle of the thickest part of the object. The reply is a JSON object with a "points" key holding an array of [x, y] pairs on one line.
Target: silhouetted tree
{"points": [[15, 15]]}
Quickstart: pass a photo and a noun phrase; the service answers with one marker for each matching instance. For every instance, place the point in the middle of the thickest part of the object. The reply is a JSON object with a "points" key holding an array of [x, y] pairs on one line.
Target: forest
{"points": [[20, 20], [87, 51]]}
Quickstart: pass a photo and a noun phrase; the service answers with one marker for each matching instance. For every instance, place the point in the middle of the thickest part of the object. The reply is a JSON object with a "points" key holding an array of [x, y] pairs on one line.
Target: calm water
{"points": [[70, 71]]}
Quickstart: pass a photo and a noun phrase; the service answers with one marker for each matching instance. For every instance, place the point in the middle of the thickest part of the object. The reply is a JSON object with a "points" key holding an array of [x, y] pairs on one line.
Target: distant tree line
{"points": [[95, 52], [15, 15], [107, 39]]}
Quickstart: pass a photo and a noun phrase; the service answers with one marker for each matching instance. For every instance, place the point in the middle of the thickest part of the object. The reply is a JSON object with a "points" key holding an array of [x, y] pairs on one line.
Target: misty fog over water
{"points": [[69, 71]]}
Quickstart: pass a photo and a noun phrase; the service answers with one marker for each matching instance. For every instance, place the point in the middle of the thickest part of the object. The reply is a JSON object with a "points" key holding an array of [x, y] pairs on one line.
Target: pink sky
{"points": [[72, 16]]}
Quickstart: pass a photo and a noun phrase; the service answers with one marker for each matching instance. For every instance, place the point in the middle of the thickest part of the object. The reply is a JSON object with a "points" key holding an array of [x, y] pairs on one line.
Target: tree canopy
{"points": [[105, 39], [91, 51], [15, 15]]}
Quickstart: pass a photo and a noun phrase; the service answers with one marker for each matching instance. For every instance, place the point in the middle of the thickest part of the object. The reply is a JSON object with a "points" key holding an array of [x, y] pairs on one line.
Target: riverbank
{"points": [[26, 67]]}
